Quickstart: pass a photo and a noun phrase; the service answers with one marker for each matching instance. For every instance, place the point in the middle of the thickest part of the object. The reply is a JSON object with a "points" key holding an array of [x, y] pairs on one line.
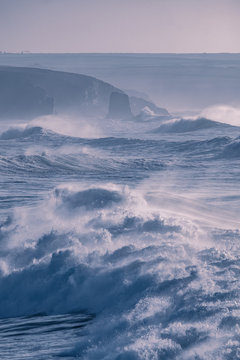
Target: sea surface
{"points": [[119, 241]]}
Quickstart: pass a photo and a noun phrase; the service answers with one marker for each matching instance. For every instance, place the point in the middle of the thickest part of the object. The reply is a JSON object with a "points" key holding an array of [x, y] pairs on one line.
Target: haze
{"points": [[152, 26]]}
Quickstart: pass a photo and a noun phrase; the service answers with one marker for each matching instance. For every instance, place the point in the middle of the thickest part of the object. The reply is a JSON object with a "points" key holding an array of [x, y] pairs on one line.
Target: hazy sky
{"points": [[120, 25]]}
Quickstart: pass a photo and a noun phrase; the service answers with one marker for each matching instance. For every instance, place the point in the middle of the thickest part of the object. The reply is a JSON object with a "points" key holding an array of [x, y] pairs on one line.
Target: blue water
{"points": [[119, 240]]}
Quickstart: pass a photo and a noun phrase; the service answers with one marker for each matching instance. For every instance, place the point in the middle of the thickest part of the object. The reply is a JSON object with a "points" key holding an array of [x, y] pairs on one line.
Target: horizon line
{"points": [[116, 53]]}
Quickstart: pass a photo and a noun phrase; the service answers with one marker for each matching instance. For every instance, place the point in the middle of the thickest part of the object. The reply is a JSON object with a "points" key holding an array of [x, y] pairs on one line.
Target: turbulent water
{"points": [[119, 240]]}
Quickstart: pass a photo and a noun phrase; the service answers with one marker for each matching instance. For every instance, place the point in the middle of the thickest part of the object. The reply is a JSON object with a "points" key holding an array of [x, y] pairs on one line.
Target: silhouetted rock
{"points": [[119, 106]]}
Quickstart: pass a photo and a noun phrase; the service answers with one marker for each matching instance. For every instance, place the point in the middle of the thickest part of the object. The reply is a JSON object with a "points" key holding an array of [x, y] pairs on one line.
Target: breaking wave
{"points": [[184, 125], [108, 252], [27, 132]]}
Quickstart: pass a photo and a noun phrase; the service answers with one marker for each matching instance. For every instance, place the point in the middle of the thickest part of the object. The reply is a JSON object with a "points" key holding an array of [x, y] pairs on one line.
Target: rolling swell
{"points": [[232, 150], [27, 133], [45, 164], [185, 125]]}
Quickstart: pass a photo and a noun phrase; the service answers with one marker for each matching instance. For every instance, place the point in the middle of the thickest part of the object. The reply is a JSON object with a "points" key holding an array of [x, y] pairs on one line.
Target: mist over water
{"points": [[119, 239], [178, 82]]}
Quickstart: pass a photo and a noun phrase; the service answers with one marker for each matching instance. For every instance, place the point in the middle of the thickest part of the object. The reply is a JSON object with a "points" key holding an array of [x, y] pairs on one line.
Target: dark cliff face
{"points": [[29, 92], [21, 98], [119, 106]]}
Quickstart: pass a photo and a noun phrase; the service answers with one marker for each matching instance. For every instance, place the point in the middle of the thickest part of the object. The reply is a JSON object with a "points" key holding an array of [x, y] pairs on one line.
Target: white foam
{"points": [[70, 126], [223, 113]]}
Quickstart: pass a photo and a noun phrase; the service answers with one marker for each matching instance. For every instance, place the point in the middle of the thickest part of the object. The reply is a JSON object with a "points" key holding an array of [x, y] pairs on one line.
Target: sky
{"points": [[141, 26]]}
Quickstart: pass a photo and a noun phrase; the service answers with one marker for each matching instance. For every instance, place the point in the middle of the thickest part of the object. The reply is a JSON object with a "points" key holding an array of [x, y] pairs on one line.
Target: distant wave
{"points": [[184, 125], [223, 113], [46, 153], [18, 133], [232, 150]]}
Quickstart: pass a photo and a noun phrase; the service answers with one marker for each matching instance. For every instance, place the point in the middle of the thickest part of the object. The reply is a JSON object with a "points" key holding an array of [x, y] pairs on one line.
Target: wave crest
{"points": [[90, 199], [18, 133], [185, 125]]}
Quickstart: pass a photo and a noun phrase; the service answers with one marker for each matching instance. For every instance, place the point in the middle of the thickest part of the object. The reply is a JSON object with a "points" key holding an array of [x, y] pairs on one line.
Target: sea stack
{"points": [[119, 106]]}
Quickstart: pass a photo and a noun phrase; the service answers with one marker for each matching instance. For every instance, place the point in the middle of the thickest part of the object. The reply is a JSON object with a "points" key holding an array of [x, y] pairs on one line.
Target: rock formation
{"points": [[119, 106]]}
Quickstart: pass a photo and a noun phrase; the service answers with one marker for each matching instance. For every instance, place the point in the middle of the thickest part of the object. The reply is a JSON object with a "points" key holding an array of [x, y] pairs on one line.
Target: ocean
{"points": [[119, 239]]}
